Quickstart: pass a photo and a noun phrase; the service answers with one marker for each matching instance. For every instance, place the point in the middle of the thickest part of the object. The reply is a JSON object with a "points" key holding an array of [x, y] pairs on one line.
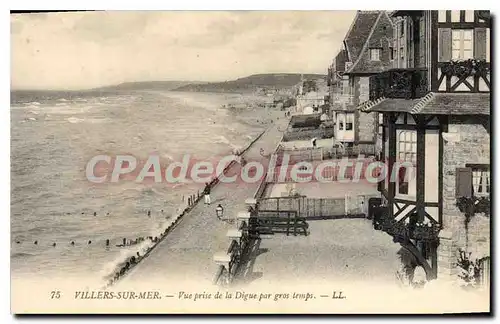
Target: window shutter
{"points": [[480, 43], [445, 44], [463, 182]]}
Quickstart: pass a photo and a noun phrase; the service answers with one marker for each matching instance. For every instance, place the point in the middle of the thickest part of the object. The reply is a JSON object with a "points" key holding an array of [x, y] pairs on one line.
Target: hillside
{"points": [[148, 85], [252, 83]]}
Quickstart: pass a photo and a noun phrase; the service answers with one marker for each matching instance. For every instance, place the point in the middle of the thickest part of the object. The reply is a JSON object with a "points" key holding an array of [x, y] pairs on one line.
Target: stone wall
{"points": [[467, 141], [367, 127], [364, 89]]}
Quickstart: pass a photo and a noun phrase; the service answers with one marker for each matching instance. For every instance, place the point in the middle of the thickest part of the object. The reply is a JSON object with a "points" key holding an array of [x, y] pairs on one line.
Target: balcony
{"points": [[399, 83], [400, 230], [464, 76]]}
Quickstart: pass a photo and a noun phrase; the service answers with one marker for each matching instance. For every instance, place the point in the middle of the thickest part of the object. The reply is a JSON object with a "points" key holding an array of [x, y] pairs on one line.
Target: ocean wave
{"points": [[97, 120], [26, 107], [62, 99], [21, 255], [180, 184], [158, 230], [74, 120], [168, 156], [223, 140], [33, 103]]}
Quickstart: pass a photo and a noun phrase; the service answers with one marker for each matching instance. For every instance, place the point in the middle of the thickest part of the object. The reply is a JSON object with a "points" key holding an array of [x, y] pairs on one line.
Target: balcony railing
{"points": [[401, 230], [468, 75], [399, 83]]}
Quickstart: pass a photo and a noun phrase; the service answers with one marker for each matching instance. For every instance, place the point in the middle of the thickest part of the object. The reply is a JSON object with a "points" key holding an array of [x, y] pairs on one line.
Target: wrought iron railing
{"points": [[399, 83], [401, 230], [464, 75]]}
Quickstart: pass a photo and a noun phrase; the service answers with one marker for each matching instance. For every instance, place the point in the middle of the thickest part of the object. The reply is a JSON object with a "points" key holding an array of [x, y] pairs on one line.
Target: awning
{"points": [[436, 103]]}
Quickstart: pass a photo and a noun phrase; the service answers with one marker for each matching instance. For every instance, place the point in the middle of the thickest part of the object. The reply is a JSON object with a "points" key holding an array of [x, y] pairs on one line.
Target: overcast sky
{"points": [[85, 50]]}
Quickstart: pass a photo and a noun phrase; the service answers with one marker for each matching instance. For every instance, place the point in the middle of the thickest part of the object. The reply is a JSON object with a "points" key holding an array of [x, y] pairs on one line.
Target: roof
{"points": [[434, 103], [402, 13], [339, 61], [312, 120], [356, 35], [371, 29]]}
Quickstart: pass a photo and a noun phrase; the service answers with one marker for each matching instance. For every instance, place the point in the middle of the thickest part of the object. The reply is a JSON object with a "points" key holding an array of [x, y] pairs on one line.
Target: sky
{"points": [[82, 50]]}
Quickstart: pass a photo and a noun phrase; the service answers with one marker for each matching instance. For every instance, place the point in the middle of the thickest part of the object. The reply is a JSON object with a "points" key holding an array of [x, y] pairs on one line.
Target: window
{"points": [[391, 53], [407, 152], [462, 44], [442, 16], [349, 122], [469, 15], [481, 182], [341, 121], [473, 180], [375, 54], [455, 16], [402, 28]]}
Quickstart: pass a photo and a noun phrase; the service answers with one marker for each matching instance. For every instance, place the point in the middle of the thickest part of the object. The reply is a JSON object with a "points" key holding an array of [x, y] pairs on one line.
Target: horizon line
{"points": [[145, 81]]}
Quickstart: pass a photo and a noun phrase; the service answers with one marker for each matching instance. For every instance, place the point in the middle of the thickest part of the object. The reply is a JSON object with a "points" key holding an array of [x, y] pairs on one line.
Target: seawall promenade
{"points": [[185, 254]]}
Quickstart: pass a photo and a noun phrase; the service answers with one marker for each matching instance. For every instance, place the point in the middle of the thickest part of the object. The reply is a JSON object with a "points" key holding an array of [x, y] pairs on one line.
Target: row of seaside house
{"points": [[414, 86]]}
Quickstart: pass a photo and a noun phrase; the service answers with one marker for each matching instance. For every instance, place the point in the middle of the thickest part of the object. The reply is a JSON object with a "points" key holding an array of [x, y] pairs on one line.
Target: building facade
{"points": [[311, 96], [435, 104], [367, 50]]}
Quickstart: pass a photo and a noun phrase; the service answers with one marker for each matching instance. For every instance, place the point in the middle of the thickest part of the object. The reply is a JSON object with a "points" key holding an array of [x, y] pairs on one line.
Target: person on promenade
{"points": [[207, 193], [219, 211]]}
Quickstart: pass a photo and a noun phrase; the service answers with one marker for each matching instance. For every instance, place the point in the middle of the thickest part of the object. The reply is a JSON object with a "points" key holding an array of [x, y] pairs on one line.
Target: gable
{"points": [[380, 36]]}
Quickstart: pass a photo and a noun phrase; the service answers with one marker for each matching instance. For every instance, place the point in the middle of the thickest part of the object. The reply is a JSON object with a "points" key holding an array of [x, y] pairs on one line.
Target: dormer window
{"points": [[375, 54]]}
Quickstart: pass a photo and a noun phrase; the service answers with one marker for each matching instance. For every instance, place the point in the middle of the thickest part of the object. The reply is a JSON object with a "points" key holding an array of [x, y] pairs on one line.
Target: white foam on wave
{"points": [[223, 140], [109, 269], [97, 120], [74, 120], [28, 107], [168, 156]]}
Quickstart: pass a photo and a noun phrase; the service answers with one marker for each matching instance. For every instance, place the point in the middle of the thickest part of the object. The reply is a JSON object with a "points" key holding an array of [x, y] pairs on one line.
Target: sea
{"points": [[54, 134]]}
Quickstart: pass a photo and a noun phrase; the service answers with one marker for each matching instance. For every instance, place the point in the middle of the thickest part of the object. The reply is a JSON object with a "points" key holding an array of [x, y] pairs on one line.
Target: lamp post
{"points": [[219, 211]]}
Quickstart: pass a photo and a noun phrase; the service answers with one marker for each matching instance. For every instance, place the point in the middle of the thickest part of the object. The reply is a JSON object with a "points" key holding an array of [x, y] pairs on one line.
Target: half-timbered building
{"points": [[367, 50], [435, 104]]}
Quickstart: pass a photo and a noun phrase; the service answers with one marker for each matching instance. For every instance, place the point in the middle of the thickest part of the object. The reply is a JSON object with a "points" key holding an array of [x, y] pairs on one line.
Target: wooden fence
{"points": [[319, 208]]}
